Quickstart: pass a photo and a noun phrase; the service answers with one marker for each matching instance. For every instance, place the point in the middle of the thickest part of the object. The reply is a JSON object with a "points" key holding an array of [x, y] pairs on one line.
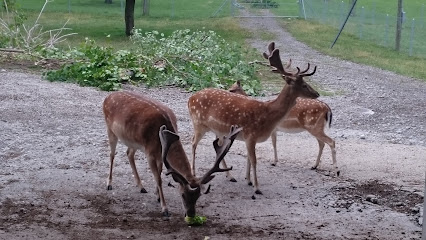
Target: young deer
{"points": [[141, 123], [216, 110], [309, 115]]}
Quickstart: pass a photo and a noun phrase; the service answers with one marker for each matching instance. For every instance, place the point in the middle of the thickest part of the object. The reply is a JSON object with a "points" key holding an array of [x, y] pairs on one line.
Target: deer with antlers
{"points": [[142, 123], [311, 115], [216, 110]]}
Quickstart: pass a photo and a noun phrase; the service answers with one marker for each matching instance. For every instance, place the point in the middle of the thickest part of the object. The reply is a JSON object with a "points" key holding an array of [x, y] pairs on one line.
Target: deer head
{"points": [[191, 193]]}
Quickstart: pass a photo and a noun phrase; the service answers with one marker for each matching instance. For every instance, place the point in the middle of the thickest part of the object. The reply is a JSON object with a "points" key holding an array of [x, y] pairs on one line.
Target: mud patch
{"points": [[383, 194]]}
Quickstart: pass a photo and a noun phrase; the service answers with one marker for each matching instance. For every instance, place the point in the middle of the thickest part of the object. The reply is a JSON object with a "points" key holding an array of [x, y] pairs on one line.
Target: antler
{"points": [[167, 138], [308, 74], [221, 151]]}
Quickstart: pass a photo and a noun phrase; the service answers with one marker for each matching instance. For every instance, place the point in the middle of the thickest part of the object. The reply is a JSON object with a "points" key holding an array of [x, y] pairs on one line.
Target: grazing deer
{"points": [[309, 115], [216, 110], [136, 120]]}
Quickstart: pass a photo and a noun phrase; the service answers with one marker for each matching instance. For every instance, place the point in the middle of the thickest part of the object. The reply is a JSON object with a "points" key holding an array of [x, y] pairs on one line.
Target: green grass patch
{"points": [[349, 47]]}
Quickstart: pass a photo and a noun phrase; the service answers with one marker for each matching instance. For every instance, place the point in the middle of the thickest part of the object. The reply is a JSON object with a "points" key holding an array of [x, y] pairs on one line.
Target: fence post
{"points": [[422, 16], [398, 26], [173, 9], [412, 37], [303, 7], [373, 15], [361, 25], [122, 6], [386, 40], [69, 6]]}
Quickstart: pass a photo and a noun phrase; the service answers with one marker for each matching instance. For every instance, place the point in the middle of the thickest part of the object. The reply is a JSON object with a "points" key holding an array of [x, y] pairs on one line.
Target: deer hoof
{"points": [[109, 187], [273, 164], [143, 190], [166, 214], [258, 192], [250, 184], [313, 168], [232, 180], [338, 173], [253, 197]]}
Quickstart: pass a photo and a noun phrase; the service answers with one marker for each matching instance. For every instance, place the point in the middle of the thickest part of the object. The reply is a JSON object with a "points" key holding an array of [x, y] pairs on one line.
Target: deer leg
{"points": [[198, 135], [248, 169], [251, 150], [156, 171], [131, 155], [330, 142], [321, 147], [112, 139], [274, 145]]}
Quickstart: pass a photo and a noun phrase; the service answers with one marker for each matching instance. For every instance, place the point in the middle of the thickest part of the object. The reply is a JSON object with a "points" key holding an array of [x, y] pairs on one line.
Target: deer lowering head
{"points": [[216, 110], [141, 123], [311, 115]]}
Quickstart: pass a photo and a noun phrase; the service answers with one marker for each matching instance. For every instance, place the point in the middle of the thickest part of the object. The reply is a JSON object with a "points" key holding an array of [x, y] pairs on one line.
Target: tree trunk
{"points": [[129, 16], [108, 1]]}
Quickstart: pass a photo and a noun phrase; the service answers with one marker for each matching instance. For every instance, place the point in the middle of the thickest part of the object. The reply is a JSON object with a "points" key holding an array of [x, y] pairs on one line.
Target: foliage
{"points": [[14, 33], [193, 60], [264, 4]]}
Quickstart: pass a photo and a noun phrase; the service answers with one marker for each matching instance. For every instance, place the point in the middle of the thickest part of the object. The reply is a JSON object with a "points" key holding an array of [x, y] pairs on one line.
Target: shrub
{"points": [[193, 60]]}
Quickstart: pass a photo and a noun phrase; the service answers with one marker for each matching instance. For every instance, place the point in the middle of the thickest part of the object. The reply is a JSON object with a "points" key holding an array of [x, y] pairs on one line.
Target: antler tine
{"points": [[309, 74], [275, 61], [288, 64], [167, 138], [221, 151], [304, 71], [271, 47]]}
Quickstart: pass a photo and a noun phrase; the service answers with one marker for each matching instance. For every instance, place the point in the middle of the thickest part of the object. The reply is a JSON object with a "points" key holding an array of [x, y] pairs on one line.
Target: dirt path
{"points": [[54, 163]]}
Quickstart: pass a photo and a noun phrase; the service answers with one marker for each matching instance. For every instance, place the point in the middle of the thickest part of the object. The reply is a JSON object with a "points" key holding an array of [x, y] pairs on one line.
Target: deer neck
{"points": [[282, 104], [179, 161]]}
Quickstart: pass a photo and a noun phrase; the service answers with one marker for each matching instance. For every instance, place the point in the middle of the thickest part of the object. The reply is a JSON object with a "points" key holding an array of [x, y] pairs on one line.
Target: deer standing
{"points": [[311, 115], [141, 123], [216, 110]]}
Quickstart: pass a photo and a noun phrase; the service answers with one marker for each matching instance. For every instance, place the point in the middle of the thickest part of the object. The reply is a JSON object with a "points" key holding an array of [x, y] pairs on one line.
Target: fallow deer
{"points": [[141, 123], [311, 115], [216, 110]]}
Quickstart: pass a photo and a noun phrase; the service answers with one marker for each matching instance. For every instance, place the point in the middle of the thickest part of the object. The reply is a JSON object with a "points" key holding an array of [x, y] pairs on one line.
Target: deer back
{"points": [[217, 110]]}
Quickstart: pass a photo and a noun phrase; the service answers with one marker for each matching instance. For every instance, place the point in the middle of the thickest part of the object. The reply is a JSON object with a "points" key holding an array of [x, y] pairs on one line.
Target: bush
{"points": [[193, 60]]}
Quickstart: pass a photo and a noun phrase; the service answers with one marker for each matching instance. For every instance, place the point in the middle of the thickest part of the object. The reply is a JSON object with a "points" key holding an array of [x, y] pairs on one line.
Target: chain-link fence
{"points": [[371, 23], [370, 20]]}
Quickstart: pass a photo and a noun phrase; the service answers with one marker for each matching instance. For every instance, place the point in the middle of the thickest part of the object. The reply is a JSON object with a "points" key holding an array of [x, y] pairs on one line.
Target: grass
{"points": [[351, 48], [97, 20]]}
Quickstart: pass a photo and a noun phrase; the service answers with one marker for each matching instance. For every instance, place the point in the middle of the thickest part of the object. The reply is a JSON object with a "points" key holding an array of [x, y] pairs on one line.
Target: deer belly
{"points": [[290, 130], [120, 133], [132, 144]]}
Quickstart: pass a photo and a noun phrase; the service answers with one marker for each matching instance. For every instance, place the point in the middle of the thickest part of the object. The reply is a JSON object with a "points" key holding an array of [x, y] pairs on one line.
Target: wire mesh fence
{"points": [[371, 20], [371, 23]]}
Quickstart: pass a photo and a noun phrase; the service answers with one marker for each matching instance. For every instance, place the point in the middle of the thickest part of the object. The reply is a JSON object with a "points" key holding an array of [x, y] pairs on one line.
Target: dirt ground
{"points": [[54, 164]]}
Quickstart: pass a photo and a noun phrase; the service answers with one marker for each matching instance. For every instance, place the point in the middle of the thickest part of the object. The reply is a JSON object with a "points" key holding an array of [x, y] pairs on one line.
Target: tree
{"points": [[108, 1], [129, 16]]}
